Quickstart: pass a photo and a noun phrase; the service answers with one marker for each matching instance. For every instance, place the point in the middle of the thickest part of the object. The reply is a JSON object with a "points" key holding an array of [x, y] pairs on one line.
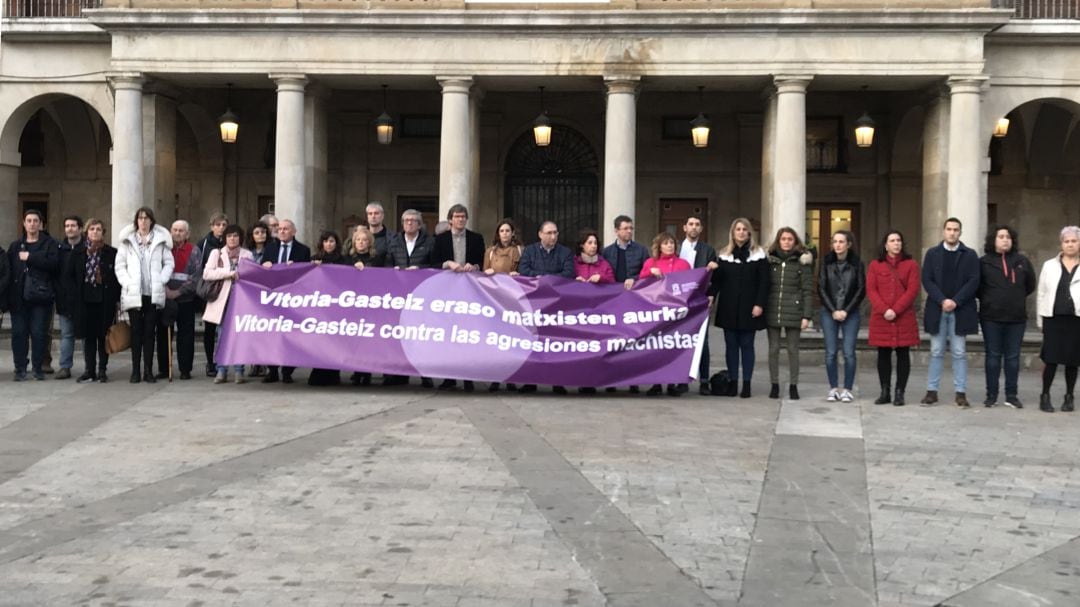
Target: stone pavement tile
{"points": [[687, 473], [385, 526], [1051, 579], [168, 433], [958, 496]]}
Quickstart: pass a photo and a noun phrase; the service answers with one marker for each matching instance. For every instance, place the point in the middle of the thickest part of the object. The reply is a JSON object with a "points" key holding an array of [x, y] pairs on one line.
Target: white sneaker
{"points": [[834, 395], [846, 396]]}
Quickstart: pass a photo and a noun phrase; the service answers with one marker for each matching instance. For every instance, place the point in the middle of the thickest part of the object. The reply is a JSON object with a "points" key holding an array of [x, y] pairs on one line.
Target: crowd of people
{"points": [[162, 280]]}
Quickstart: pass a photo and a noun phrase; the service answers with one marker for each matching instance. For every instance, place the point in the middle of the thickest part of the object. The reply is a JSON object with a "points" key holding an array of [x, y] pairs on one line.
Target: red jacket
{"points": [[666, 263], [893, 284]]}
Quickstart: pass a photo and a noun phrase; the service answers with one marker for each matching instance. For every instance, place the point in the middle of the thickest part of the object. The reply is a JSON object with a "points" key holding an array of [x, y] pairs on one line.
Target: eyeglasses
{"points": [[411, 220]]}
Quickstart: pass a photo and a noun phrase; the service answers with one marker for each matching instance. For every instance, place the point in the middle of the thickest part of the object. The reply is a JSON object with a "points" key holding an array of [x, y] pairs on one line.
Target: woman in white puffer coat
{"points": [[144, 263]]}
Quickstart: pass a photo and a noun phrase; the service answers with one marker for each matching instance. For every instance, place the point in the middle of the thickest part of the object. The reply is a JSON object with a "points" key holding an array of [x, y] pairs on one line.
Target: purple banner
{"points": [[547, 330]]}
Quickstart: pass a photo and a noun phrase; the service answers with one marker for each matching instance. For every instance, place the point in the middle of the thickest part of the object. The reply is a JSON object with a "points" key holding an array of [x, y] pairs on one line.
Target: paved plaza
{"points": [[194, 494]]}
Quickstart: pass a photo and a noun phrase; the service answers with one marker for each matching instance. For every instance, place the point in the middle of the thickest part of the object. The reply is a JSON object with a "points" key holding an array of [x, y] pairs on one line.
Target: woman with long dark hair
{"points": [[502, 257], [841, 287], [892, 284], [328, 252], [144, 264], [224, 265], [1006, 279], [791, 289]]}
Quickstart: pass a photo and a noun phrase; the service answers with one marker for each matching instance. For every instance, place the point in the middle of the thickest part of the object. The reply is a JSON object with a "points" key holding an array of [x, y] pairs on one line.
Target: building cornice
{"points": [[74, 29], [554, 22], [1056, 32]]}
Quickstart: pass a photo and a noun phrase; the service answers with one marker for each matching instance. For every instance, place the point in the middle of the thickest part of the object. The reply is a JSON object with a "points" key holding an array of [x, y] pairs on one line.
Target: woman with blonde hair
{"points": [[743, 278]]}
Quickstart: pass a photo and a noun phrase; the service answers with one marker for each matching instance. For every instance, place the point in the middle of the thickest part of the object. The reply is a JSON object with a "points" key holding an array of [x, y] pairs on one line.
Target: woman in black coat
{"points": [[741, 286], [97, 294], [329, 253], [364, 255]]}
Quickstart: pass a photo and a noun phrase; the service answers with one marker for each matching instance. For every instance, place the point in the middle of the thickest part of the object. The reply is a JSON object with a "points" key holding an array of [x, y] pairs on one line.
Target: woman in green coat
{"points": [[791, 269]]}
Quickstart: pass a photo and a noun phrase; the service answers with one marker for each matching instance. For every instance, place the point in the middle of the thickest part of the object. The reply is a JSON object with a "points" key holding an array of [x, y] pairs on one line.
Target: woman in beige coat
{"points": [[223, 264]]}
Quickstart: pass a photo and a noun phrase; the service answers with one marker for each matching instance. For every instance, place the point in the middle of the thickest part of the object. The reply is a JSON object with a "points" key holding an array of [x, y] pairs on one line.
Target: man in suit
{"points": [[699, 255], [410, 250], [285, 250], [625, 255], [458, 249]]}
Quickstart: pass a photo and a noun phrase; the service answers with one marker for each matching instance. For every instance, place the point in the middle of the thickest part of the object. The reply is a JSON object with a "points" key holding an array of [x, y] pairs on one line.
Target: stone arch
{"points": [[18, 104], [908, 142], [1002, 100]]}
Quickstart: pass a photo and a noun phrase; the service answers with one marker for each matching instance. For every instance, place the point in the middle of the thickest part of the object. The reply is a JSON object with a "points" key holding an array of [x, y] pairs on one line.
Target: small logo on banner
{"points": [[676, 288]]}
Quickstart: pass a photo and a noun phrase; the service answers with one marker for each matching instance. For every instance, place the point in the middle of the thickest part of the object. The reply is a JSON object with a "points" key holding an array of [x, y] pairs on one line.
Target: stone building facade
{"points": [[107, 105]]}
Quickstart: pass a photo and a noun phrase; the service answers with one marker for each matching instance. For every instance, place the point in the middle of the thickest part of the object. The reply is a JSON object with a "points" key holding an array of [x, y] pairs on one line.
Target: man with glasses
{"points": [[547, 258], [410, 250]]}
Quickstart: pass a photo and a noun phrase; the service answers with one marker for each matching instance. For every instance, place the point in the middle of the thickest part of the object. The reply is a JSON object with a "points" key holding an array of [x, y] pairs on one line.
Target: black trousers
{"points": [[95, 357], [184, 332], [144, 322], [209, 340]]}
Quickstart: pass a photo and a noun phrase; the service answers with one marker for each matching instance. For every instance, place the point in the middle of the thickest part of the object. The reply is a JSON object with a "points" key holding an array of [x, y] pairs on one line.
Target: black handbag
{"points": [[36, 290], [720, 384]]}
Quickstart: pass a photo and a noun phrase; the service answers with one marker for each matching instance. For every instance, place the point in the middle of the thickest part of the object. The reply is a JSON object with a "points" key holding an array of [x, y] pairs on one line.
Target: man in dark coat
{"points": [[412, 249], [68, 292], [699, 254], [34, 260], [625, 255], [950, 275], [285, 250], [458, 249], [546, 258]]}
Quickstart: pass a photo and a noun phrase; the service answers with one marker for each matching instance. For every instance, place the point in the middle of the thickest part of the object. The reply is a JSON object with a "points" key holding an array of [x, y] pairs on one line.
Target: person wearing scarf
{"points": [[223, 264], [94, 270], [1006, 280]]}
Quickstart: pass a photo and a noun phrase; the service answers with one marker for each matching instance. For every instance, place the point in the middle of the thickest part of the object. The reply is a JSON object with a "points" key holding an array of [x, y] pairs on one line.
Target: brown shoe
{"points": [[930, 399], [962, 401]]}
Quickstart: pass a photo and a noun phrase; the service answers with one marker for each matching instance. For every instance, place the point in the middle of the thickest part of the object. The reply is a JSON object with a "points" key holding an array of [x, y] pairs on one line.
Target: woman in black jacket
{"points": [[329, 252], [93, 276], [842, 287], [1006, 280], [741, 286]]}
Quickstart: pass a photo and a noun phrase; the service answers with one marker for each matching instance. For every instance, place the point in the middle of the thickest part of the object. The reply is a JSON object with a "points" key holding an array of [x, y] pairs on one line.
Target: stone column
{"points": [[768, 166], [289, 171], [966, 200], [935, 172], [9, 198], [127, 156], [474, 147], [789, 156], [455, 146], [320, 210], [159, 155], [620, 152]]}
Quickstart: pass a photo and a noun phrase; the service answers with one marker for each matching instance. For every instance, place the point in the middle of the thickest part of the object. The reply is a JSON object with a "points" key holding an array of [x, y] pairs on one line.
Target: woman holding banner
{"points": [[223, 265], [365, 254], [588, 264], [503, 257], [327, 253], [664, 260]]}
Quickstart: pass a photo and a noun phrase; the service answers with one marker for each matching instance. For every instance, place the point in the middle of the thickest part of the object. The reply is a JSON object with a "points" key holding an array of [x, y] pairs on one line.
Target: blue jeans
{"points": [[29, 324], [832, 331], [67, 341], [237, 369], [739, 342], [1002, 340], [957, 344]]}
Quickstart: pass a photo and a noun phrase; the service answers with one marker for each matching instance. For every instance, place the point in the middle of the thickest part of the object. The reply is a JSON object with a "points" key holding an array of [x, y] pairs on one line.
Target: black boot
{"points": [[793, 392], [1044, 403], [898, 399], [745, 390], [774, 391], [136, 372], [1067, 406], [884, 399]]}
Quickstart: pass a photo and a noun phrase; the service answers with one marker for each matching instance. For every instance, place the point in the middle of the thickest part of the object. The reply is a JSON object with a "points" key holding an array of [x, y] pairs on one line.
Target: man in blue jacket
{"points": [[625, 255], [545, 258], [950, 275]]}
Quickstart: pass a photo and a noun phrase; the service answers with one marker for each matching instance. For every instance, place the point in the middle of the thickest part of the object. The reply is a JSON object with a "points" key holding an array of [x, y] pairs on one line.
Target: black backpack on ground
{"points": [[722, 385]]}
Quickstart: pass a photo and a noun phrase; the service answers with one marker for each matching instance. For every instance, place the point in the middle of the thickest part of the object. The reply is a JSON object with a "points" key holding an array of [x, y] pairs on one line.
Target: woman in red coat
{"points": [[892, 283], [664, 260]]}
